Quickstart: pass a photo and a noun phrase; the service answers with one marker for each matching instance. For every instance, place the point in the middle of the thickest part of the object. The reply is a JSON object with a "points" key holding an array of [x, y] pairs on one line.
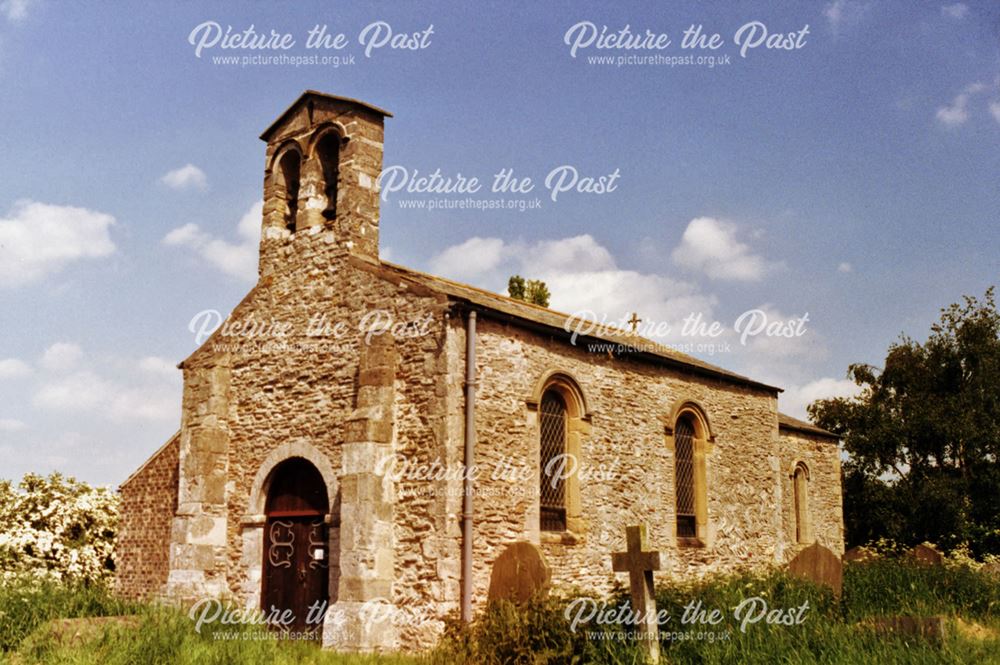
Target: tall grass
{"points": [[26, 603], [832, 630], [165, 636], [898, 586]]}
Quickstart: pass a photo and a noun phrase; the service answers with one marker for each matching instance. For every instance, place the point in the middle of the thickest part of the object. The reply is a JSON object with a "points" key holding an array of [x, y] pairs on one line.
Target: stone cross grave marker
{"points": [[519, 573], [640, 564]]}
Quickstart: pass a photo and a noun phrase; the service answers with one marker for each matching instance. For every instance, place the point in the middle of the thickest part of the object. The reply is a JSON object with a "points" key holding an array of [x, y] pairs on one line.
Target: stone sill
{"points": [[560, 538], [691, 543]]}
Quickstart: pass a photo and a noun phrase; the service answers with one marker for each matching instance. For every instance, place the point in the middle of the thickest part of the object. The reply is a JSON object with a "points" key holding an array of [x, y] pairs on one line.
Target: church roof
{"points": [[308, 94], [520, 312], [788, 423]]}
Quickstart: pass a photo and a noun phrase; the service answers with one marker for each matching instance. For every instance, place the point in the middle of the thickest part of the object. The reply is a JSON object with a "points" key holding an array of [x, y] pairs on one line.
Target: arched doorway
{"points": [[296, 557]]}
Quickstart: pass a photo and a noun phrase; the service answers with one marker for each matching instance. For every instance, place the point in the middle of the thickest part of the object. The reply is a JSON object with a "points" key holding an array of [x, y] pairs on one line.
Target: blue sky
{"points": [[854, 179]]}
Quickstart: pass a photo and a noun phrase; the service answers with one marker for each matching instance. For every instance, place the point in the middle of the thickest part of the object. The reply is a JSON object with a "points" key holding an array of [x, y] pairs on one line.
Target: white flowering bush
{"points": [[57, 527]]}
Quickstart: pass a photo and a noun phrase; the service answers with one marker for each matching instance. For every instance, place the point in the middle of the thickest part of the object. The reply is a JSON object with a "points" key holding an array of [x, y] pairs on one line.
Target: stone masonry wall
{"points": [[630, 404], [148, 502], [826, 508], [303, 389]]}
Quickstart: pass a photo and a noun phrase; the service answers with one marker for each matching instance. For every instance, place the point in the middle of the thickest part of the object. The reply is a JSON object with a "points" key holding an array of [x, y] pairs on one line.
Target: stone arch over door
{"points": [[254, 520]]}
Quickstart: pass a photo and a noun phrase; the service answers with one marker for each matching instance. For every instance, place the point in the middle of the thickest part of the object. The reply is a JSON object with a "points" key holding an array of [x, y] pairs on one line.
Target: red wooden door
{"points": [[296, 557]]}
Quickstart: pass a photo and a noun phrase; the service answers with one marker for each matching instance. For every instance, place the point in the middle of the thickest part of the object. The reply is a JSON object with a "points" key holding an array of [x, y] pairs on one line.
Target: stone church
{"points": [[307, 468]]}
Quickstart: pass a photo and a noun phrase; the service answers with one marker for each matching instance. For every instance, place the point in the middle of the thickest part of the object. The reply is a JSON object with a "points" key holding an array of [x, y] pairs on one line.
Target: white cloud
{"points": [[845, 267], [37, 239], [80, 391], [135, 404], [959, 10], [16, 10], [843, 13], [795, 399], [711, 246], [11, 425], [86, 391], [185, 235], [995, 110], [582, 277], [188, 176], [11, 368], [61, 356], [477, 257], [238, 259], [160, 366], [471, 259], [774, 346], [121, 389], [569, 254], [957, 113]]}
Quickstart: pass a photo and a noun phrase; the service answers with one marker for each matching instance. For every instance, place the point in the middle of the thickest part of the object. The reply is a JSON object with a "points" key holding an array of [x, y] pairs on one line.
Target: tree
{"points": [[923, 435], [533, 290]]}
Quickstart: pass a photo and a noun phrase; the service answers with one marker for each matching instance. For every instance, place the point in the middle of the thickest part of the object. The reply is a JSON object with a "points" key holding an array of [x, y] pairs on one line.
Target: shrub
{"points": [[538, 632], [57, 527]]}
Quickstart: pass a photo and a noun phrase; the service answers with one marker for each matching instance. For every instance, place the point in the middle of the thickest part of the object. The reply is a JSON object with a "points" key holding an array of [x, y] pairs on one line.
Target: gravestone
{"points": [[992, 569], [928, 628], [926, 555], [640, 564], [820, 566], [519, 573], [858, 554]]}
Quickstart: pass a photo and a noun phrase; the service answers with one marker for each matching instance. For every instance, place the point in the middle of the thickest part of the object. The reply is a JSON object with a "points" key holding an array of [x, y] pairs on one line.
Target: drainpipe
{"points": [[470, 447]]}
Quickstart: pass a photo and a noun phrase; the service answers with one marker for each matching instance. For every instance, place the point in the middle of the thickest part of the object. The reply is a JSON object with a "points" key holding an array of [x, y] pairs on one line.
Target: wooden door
{"points": [[296, 557]]}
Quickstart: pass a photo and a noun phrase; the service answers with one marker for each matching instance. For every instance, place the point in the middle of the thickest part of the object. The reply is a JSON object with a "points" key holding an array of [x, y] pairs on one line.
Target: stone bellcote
{"points": [[324, 156]]}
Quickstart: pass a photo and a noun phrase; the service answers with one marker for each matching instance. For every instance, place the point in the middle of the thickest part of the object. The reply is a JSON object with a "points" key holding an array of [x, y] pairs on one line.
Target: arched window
{"points": [[687, 520], [553, 450], [690, 439], [560, 419], [328, 152], [800, 491], [288, 170]]}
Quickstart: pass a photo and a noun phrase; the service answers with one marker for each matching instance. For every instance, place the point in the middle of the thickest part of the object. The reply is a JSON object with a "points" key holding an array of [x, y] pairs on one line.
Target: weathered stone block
{"points": [[931, 629], [519, 573], [820, 566], [377, 376], [926, 555], [364, 429]]}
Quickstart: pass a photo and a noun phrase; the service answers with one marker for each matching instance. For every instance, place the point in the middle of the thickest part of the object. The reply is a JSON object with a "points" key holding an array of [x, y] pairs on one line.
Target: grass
{"points": [[164, 636], [832, 630], [26, 604]]}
